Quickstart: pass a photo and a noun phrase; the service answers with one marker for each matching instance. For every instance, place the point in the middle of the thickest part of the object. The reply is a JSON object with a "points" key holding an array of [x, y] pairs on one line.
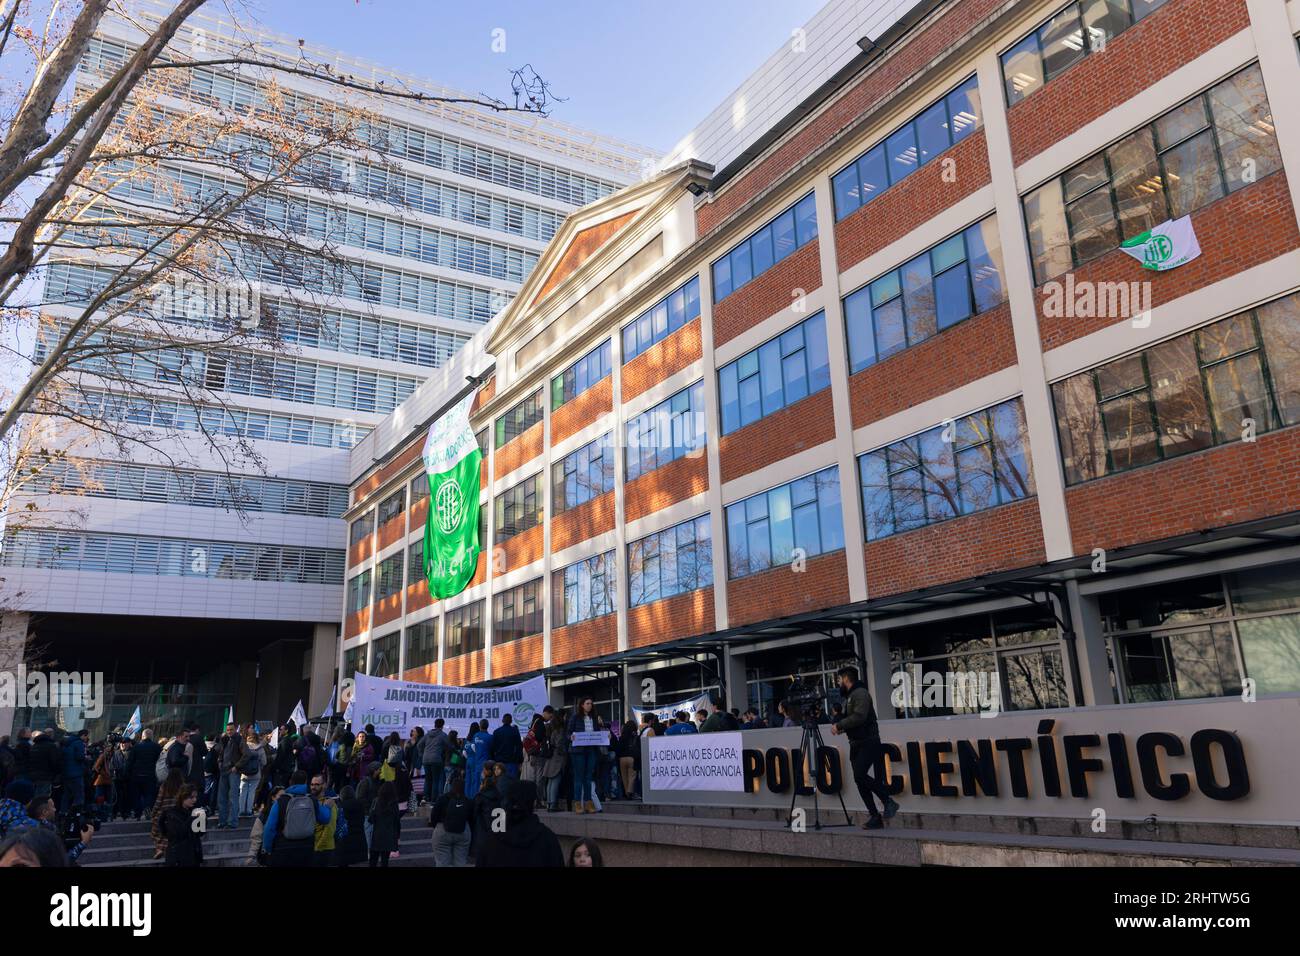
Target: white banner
{"points": [[690, 705], [1166, 246], [697, 762], [402, 705]]}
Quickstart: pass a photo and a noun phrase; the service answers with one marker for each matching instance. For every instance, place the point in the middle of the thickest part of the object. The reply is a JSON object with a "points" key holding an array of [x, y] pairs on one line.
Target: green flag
{"points": [[451, 461]]}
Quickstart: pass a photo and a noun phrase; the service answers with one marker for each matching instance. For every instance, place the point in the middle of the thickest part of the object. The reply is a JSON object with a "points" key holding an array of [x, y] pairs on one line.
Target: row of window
{"points": [[436, 150], [670, 430], [1224, 382], [582, 374], [147, 554], [230, 422], [665, 317], [948, 121], [583, 474], [958, 278], [513, 423], [198, 489], [1082, 28], [778, 373], [765, 247], [1201, 150], [296, 323]]}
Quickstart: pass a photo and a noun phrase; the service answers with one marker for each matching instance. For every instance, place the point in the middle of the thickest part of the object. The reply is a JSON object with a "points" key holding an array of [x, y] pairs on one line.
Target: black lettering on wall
{"points": [[829, 777], [1234, 757], [1077, 765], [1149, 763], [1015, 749], [753, 763], [1120, 767], [935, 768], [1047, 758], [778, 770], [799, 773], [894, 756], [914, 768], [975, 758]]}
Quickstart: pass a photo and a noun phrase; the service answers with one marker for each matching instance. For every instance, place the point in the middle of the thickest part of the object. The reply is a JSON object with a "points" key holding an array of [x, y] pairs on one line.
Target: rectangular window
{"points": [[944, 122], [1080, 29], [359, 591], [944, 285], [765, 530], [422, 643], [386, 660], [419, 489], [977, 462], [670, 430], [362, 528], [765, 247], [1201, 389], [778, 373], [1189, 157], [674, 561], [415, 563], [582, 374], [584, 590], [519, 419], [388, 577], [517, 612], [464, 629], [519, 508], [393, 506], [583, 475], [662, 319]]}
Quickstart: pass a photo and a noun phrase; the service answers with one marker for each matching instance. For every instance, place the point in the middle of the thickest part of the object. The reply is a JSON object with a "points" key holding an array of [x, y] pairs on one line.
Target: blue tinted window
{"points": [[765, 247], [584, 373], [674, 561], [765, 530], [670, 430], [778, 373], [664, 317], [583, 474]]}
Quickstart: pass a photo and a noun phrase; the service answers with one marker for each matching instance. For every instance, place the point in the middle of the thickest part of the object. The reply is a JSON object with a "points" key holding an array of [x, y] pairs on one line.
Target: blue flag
{"points": [[133, 725]]}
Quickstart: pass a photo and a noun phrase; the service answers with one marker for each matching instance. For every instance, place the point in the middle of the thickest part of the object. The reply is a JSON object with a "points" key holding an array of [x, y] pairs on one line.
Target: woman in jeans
{"points": [[629, 753], [584, 757], [450, 821]]}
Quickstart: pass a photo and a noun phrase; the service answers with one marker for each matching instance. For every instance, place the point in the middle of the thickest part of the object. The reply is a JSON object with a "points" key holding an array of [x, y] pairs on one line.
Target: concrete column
{"points": [[1049, 477], [1090, 648], [1279, 61], [733, 672], [13, 645], [324, 653], [876, 679]]}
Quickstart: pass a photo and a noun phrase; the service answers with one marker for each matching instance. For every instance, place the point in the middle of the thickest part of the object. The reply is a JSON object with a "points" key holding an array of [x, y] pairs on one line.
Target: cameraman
{"points": [[865, 752]]}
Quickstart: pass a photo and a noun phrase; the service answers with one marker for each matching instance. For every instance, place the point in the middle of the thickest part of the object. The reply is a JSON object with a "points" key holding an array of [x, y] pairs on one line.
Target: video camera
{"points": [[74, 823]]}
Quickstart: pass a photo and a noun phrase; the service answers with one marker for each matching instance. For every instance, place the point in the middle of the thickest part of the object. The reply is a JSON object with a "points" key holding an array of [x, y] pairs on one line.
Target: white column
{"points": [[1279, 61], [1049, 478], [325, 645], [713, 430]]}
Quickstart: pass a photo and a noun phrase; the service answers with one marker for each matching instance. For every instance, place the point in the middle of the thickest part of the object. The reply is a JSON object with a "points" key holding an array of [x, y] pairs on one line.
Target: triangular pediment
{"points": [[582, 247]]}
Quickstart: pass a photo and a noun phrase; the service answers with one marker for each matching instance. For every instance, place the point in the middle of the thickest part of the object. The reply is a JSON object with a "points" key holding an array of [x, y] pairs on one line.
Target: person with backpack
{"points": [[266, 795], [351, 847], [101, 778], [486, 801], [506, 747], [556, 752], [450, 819], [533, 742], [456, 762], [309, 755], [362, 756], [231, 751], [250, 772], [184, 841], [433, 757], [721, 719], [386, 821], [329, 834], [289, 834]]}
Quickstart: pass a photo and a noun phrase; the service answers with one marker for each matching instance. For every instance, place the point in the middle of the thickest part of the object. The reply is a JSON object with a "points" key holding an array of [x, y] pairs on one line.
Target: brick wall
{"points": [[922, 196], [675, 481], [392, 531], [582, 247], [805, 424], [665, 358], [361, 550], [782, 592], [378, 479], [768, 294], [1237, 482], [965, 353], [577, 642], [1135, 60], [585, 521], [464, 669], [1003, 538], [1265, 206], [356, 622], [417, 596], [424, 674], [520, 450], [520, 550], [575, 415], [388, 609], [517, 657], [683, 615], [881, 84]]}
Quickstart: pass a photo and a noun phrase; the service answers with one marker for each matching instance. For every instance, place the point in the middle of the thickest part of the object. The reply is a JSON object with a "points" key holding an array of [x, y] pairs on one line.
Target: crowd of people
{"points": [[340, 798]]}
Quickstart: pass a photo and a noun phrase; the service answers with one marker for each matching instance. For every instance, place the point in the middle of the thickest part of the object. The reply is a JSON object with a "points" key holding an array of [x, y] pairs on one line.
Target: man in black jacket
{"points": [[141, 772], [865, 752], [507, 746], [198, 762], [44, 763], [523, 840]]}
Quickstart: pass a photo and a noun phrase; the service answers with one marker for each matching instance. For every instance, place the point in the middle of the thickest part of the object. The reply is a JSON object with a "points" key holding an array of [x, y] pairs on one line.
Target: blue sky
{"points": [[645, 71]]}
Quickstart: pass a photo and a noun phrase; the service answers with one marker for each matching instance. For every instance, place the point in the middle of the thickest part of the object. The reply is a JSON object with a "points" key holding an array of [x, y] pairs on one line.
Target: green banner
{"points": [[452, 460]]}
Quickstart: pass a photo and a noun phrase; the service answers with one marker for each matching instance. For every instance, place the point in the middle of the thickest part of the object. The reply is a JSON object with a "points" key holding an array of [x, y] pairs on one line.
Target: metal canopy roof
{"points": [[1228, 541]]}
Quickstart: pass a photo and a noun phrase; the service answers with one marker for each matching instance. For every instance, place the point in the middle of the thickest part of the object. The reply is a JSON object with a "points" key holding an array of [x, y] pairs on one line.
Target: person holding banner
{"points": [[588, 736]]}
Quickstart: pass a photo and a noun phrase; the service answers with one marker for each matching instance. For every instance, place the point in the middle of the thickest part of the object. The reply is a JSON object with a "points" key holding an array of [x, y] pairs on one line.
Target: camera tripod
{"points": [[811, 744]]}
